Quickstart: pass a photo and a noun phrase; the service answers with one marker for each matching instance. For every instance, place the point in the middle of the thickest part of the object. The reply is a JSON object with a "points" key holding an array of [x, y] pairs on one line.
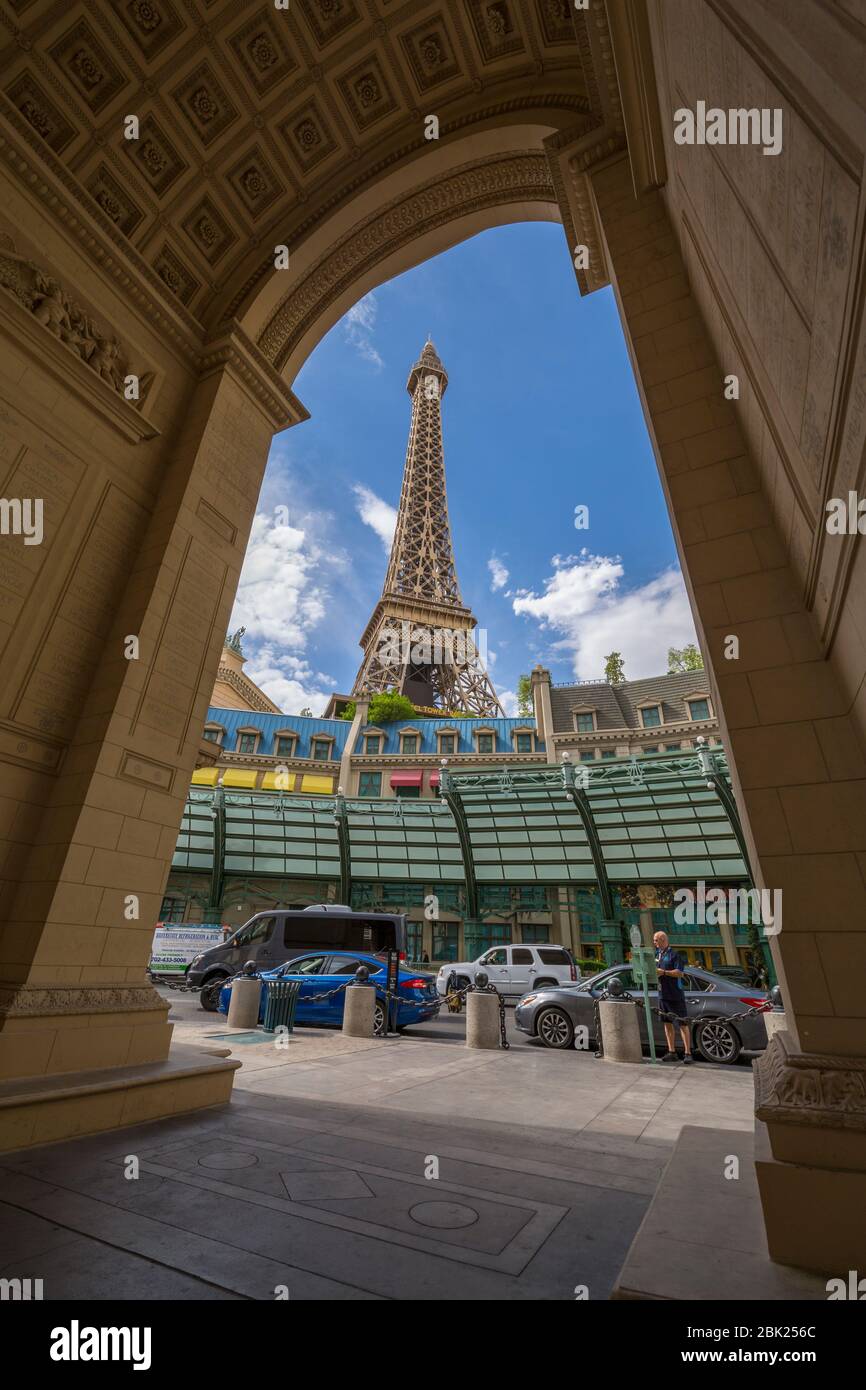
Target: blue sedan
{"points": [[323, 972]]}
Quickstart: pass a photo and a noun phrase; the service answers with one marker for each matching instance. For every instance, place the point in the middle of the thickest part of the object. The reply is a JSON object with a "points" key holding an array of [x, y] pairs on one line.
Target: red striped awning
{"points": [[406, 779], [434, 779]]}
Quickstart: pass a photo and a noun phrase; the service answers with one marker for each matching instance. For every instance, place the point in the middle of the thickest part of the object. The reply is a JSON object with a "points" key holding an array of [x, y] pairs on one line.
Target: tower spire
{"points": [[420, 638]]}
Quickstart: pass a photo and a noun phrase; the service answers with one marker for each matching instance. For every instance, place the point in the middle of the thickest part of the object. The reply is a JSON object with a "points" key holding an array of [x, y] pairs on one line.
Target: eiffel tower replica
{"points": [[419, 640]]}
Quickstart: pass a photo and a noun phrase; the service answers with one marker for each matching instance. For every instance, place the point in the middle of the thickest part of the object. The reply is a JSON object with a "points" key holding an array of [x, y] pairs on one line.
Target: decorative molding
{"points": [[246, 689], [42, 1001], [74, 373], [343, 194], [508, 177], [807, 1088], [633, 60], [232, 348], [33, 164]]}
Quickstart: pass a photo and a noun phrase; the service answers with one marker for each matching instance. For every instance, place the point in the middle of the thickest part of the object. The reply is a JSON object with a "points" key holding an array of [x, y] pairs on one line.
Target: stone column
{"points": [[798, 768], [540, 683], [74, 996]]}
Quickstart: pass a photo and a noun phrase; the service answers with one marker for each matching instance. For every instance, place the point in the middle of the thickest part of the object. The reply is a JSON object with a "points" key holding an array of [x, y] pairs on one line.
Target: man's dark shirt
{"points": [[670, 986]]}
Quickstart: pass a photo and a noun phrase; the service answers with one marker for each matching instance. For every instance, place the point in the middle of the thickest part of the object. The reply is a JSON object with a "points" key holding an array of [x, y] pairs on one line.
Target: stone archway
{"points": [[152, 261]]}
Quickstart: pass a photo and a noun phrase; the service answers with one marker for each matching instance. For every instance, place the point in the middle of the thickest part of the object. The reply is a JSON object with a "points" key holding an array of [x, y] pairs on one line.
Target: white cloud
{"points": [[281, 601], [289, 681], [358, 325], [278, 599], [508, 701], [376, 513], [498, 573], [584, 601]]}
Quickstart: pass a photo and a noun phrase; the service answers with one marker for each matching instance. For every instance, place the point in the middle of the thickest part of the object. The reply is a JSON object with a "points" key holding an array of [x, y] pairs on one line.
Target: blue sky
{"points": [[541, 416]]}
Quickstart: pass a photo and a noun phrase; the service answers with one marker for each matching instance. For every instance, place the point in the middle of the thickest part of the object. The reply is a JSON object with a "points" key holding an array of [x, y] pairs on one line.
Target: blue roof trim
{"points": [[271, 724], [465, 729]]}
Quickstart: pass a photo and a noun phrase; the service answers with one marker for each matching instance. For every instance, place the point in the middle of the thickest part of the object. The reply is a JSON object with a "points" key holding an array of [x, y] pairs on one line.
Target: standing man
{"points": [[672, 997]]}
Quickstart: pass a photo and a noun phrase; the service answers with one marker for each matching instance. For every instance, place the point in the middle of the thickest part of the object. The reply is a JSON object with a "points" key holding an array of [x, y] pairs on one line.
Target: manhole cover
{"points": [[228, 1160], [445, 1216]]}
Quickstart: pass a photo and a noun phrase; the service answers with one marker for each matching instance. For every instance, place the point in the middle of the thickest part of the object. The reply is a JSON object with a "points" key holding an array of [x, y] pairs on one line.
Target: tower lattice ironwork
{"points": [[420, 638]]}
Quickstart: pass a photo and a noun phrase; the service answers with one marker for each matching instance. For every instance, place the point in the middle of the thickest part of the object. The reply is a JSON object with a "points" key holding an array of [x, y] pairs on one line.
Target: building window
{"points": [[699, 709], [652, 748], [531, 931], [446, 744], [370, 784], [172, 910], [410, 744], [608, 752], [651, 717], [321, 750], [585, 723], [485, 743], [373, 743], [672, 748], [415, 940], [285, 746], [408, 792], [446, 936], [523, 743], [213, 735], [587, 756], [247, 743]]}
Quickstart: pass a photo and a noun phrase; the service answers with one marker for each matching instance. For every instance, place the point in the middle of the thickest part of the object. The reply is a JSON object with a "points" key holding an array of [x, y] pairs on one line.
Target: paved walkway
{"points": [[321, 1177]]}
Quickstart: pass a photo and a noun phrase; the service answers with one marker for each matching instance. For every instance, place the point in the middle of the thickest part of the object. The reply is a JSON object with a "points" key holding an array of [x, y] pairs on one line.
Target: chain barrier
{"points": [[454, 999], [666, 1017]]}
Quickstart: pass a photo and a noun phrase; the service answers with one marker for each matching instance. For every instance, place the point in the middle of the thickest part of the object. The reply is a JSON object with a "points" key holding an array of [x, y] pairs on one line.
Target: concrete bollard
{"points": [[358, 1014], [244, 1004], [620, 1033], [482, 1019], [775, 1022]]}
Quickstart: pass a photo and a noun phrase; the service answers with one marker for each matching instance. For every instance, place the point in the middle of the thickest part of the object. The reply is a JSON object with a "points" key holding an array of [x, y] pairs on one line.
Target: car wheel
{"points": [[717, 1041], [379, 1019], [209, 994], [554, 1028]]}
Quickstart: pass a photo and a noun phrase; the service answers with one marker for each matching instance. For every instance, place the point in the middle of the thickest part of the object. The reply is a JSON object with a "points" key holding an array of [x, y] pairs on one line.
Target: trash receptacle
{"points": [[280, 1001]]}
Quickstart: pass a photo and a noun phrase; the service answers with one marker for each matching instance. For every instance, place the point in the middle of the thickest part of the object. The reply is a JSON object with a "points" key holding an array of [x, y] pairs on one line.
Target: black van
{"points": [[271, 938]]}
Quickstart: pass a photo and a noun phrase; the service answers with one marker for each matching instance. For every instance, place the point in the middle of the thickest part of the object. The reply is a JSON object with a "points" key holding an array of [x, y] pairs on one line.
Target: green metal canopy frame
{"points": [[648, 819]]}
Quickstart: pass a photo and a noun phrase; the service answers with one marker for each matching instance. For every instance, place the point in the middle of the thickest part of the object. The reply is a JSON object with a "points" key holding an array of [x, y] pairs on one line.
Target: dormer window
{"points": [[409, 744], [248, 740], [447, 743], [651, 716], [372, 744], [485, 741], [699, 709], [524, 740], [321, 749], [214, 733], [285, 745], [584, 721]]}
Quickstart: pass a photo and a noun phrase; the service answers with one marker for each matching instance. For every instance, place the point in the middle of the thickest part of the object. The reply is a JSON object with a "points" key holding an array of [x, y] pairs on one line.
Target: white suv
{"points": [[513, 970]]}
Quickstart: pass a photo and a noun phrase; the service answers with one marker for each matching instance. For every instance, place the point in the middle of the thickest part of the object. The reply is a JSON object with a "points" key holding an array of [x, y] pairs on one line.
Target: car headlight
{"points": [[195, 960], [527, 999]]}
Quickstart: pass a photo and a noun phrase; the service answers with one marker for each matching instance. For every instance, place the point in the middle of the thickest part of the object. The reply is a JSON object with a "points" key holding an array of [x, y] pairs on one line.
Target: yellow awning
{"points": [[205, 777], [318, 786], [278, 782], [239, 777]]}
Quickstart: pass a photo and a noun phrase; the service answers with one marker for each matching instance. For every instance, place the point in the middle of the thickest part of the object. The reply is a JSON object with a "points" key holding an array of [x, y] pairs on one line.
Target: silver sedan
{"points": [[719, 1010]]}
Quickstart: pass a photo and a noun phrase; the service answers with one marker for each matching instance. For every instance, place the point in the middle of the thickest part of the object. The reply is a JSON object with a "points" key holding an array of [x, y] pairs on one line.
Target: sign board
{"points": [[393, 977], [175, 944], [643, 962]]}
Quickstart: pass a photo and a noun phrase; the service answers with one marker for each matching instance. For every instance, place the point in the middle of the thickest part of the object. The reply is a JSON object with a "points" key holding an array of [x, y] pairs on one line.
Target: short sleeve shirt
{"points": [[670, 987]]}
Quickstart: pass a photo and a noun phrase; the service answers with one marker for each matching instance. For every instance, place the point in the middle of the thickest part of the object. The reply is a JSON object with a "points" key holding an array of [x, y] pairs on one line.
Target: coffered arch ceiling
{"points": [[306, 127]]}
